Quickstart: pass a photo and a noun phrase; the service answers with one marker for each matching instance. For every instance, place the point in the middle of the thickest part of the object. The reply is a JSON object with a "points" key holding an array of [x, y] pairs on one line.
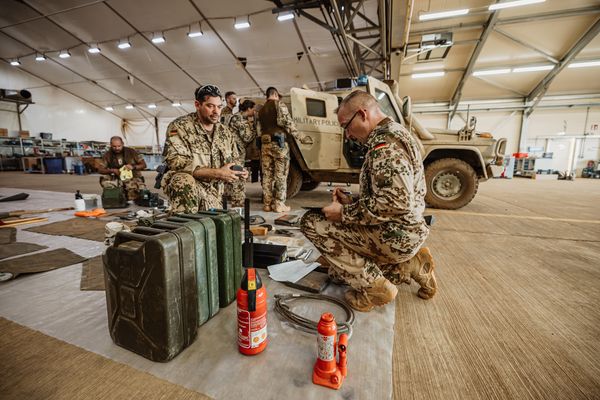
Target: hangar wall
{"points": [[55, 111]]}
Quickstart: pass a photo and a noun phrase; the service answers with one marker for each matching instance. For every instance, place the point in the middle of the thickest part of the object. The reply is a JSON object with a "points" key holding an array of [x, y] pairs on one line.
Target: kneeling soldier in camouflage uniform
{"points": [[374, 242], [199, 152], [119, 157]]}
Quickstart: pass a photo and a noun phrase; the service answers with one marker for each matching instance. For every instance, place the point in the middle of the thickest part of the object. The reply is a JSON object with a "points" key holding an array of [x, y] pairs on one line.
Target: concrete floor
{"points": [[516, 314]]}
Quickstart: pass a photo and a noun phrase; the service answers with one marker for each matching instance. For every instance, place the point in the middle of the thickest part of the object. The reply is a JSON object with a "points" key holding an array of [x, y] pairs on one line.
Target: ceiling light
{"points": [[94, 49], [195, 32], [242, 23], [428, 75], [109, 108], [533, 68], [40, 57], [124, 44], [498, 71], [517, 3], [152, 105], [129, 106], [285, 17], [15, 63], [443, 14], [176, 104], [64, 54], [158, 38], [583, 64]]}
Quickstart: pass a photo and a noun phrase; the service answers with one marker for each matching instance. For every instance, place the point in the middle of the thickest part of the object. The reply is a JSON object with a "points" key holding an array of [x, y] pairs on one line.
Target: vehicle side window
{"points": [[316, 108], [386, 104]]}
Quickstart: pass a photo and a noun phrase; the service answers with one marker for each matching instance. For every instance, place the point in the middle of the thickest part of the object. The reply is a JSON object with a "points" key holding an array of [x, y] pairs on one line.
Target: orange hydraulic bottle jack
{"points": [[326, 371]]}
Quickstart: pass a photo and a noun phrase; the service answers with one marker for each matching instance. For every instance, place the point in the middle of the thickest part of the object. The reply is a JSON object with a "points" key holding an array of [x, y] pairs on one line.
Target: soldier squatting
{"points": [[371, 243]]}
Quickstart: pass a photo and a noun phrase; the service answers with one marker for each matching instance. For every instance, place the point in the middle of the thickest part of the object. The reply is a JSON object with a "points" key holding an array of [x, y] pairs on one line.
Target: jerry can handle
{"points": [[122, 237], [147, 231], [167, 225]]}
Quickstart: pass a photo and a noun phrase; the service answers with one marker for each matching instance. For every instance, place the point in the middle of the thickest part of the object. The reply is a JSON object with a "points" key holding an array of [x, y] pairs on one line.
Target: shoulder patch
{"points": [[379, 146], [173, 132]]}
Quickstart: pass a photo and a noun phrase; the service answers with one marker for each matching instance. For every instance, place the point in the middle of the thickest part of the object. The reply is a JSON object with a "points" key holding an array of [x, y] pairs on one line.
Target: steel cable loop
{"points": [[304, 324]]}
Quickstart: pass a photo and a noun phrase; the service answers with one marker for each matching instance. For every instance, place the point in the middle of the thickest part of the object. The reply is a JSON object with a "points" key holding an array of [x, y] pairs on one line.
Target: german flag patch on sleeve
{"points": [[380, 146], [173, 132]]}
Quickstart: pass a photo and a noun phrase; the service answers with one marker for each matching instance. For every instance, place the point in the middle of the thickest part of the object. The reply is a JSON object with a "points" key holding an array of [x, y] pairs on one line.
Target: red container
{"points": [[520, 155], [252, 314]]}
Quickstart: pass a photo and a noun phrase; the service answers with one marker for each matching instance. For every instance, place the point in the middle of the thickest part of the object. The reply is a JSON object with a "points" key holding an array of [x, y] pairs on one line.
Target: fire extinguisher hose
{"points": [[282, 307]]}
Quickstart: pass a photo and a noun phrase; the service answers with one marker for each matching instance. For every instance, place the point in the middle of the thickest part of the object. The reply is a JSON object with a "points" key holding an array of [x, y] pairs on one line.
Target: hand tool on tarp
{"points": [[15, 197], [19, 213], [20, 221]]}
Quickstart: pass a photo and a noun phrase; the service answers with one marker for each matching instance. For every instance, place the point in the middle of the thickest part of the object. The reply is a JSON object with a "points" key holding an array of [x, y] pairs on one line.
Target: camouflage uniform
{"points": [[189, 146], [274, 118], [226, 115], [244, 132], [385, 226], [111, 160]]}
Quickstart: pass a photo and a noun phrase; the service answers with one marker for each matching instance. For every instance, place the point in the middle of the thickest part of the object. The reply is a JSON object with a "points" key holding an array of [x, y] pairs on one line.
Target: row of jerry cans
{"points": [[164, 281]]}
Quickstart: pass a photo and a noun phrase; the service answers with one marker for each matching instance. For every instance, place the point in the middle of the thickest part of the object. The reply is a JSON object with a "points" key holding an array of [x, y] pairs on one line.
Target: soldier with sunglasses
{"points": [[199, 153]]}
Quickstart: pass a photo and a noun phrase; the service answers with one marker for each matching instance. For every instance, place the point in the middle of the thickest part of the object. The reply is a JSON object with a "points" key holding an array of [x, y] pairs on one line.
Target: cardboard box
{"points": [[24, 134], [3, 132]]}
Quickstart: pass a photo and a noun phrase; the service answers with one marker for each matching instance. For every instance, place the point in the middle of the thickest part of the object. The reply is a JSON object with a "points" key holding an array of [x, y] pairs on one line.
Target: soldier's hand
{"points": [[128, 166], [225, 173], [340, 196], [333, 212]]}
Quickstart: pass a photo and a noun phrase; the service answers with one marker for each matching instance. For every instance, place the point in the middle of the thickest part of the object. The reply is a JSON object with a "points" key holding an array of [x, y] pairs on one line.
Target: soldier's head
{"points": [[231, 99], [116, 144], [247, 107], [208, 104], [272, 93], [358, 114]]}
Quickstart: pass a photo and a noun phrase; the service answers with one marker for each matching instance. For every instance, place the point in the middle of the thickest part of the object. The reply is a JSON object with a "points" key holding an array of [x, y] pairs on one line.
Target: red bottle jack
{"points": [[252, 314], [326, 371]]}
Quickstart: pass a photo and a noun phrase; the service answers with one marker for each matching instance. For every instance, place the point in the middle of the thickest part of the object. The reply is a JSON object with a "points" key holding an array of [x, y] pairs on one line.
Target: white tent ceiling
{"points": [[162, 73]]}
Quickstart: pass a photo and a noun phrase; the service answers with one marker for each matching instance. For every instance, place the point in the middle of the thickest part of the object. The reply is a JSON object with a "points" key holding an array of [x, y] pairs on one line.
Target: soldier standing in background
{"points": [[199, 152], [374, 242], [119, 158], [274, 122], [242, 126], [228, 110]]}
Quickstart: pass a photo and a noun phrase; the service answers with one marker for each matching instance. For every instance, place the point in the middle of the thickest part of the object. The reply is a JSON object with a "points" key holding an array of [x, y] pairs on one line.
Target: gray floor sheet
{"points": [[53, 304]]}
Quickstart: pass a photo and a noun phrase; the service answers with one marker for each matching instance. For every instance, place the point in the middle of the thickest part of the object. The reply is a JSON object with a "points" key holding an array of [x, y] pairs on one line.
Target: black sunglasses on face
{"points": [[210, 90], [349, 122]]}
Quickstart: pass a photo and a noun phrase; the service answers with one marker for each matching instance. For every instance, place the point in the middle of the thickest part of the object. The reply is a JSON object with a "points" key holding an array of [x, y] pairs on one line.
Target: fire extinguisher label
{"points": [[325, 344], [252, 331]]}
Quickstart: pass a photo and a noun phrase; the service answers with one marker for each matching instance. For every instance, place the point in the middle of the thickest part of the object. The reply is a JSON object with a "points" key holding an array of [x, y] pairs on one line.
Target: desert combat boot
{"points": [[420, 268], [379, 293], [280, 207]]}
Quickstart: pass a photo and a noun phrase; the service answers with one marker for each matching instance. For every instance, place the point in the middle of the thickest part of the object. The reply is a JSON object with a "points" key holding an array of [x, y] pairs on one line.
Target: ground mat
{"points": [[40, 262], [18, 248], [92, 274], [70, 372], [8, 235], [82, 228]]}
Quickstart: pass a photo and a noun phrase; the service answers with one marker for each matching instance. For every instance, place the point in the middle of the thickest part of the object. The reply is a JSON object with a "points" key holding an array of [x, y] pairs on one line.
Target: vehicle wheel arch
{"points": [[471, 156]]}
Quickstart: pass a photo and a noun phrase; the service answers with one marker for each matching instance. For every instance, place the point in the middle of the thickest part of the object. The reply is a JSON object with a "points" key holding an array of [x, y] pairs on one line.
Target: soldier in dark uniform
{"points": [[118, 159], [374, 242]]}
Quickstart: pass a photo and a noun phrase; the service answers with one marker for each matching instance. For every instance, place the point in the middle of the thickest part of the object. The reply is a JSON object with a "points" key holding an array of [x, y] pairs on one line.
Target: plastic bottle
{"points": [[79, 202]]}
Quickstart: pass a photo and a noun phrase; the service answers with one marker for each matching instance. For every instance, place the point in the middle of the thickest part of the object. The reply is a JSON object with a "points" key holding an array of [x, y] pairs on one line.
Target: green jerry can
{"points": [[151, 293], [114, 197], [229, 251], [207, 269]]}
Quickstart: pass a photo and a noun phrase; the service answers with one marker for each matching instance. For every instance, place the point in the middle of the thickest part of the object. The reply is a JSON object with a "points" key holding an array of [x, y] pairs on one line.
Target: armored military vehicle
{"points": [[455, 161]]}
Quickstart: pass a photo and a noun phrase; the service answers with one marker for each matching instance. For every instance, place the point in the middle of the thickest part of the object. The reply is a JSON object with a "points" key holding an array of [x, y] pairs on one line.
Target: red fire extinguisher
{"points": [[326, 371], [252, 314]]}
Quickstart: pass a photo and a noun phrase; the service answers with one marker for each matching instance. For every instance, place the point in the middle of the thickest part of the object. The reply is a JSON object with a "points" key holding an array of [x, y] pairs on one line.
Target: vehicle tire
{"points": [[294, 180], [310, 185], [451, 183]]}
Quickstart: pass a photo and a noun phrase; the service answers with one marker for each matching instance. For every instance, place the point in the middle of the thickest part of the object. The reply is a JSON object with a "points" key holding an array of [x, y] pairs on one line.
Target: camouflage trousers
{"points": [[236, 191], [132, 186], [188, 195], [358, 254], [275, 165]]}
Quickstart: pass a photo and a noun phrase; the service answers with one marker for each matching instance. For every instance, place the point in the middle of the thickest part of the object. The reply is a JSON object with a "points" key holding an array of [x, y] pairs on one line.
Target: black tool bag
{"points": [[268, 254], [151, 293]]}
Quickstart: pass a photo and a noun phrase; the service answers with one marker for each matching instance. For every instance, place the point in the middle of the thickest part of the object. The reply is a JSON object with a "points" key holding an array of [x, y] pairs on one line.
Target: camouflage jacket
{"points": [[244, 132], [392, 183], [128, 156], [189, 146], [284, 120]]}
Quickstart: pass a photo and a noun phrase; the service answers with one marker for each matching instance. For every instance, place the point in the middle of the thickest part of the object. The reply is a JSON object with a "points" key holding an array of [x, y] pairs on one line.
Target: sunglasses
{"points": [[210, 90], [349, 122]]}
